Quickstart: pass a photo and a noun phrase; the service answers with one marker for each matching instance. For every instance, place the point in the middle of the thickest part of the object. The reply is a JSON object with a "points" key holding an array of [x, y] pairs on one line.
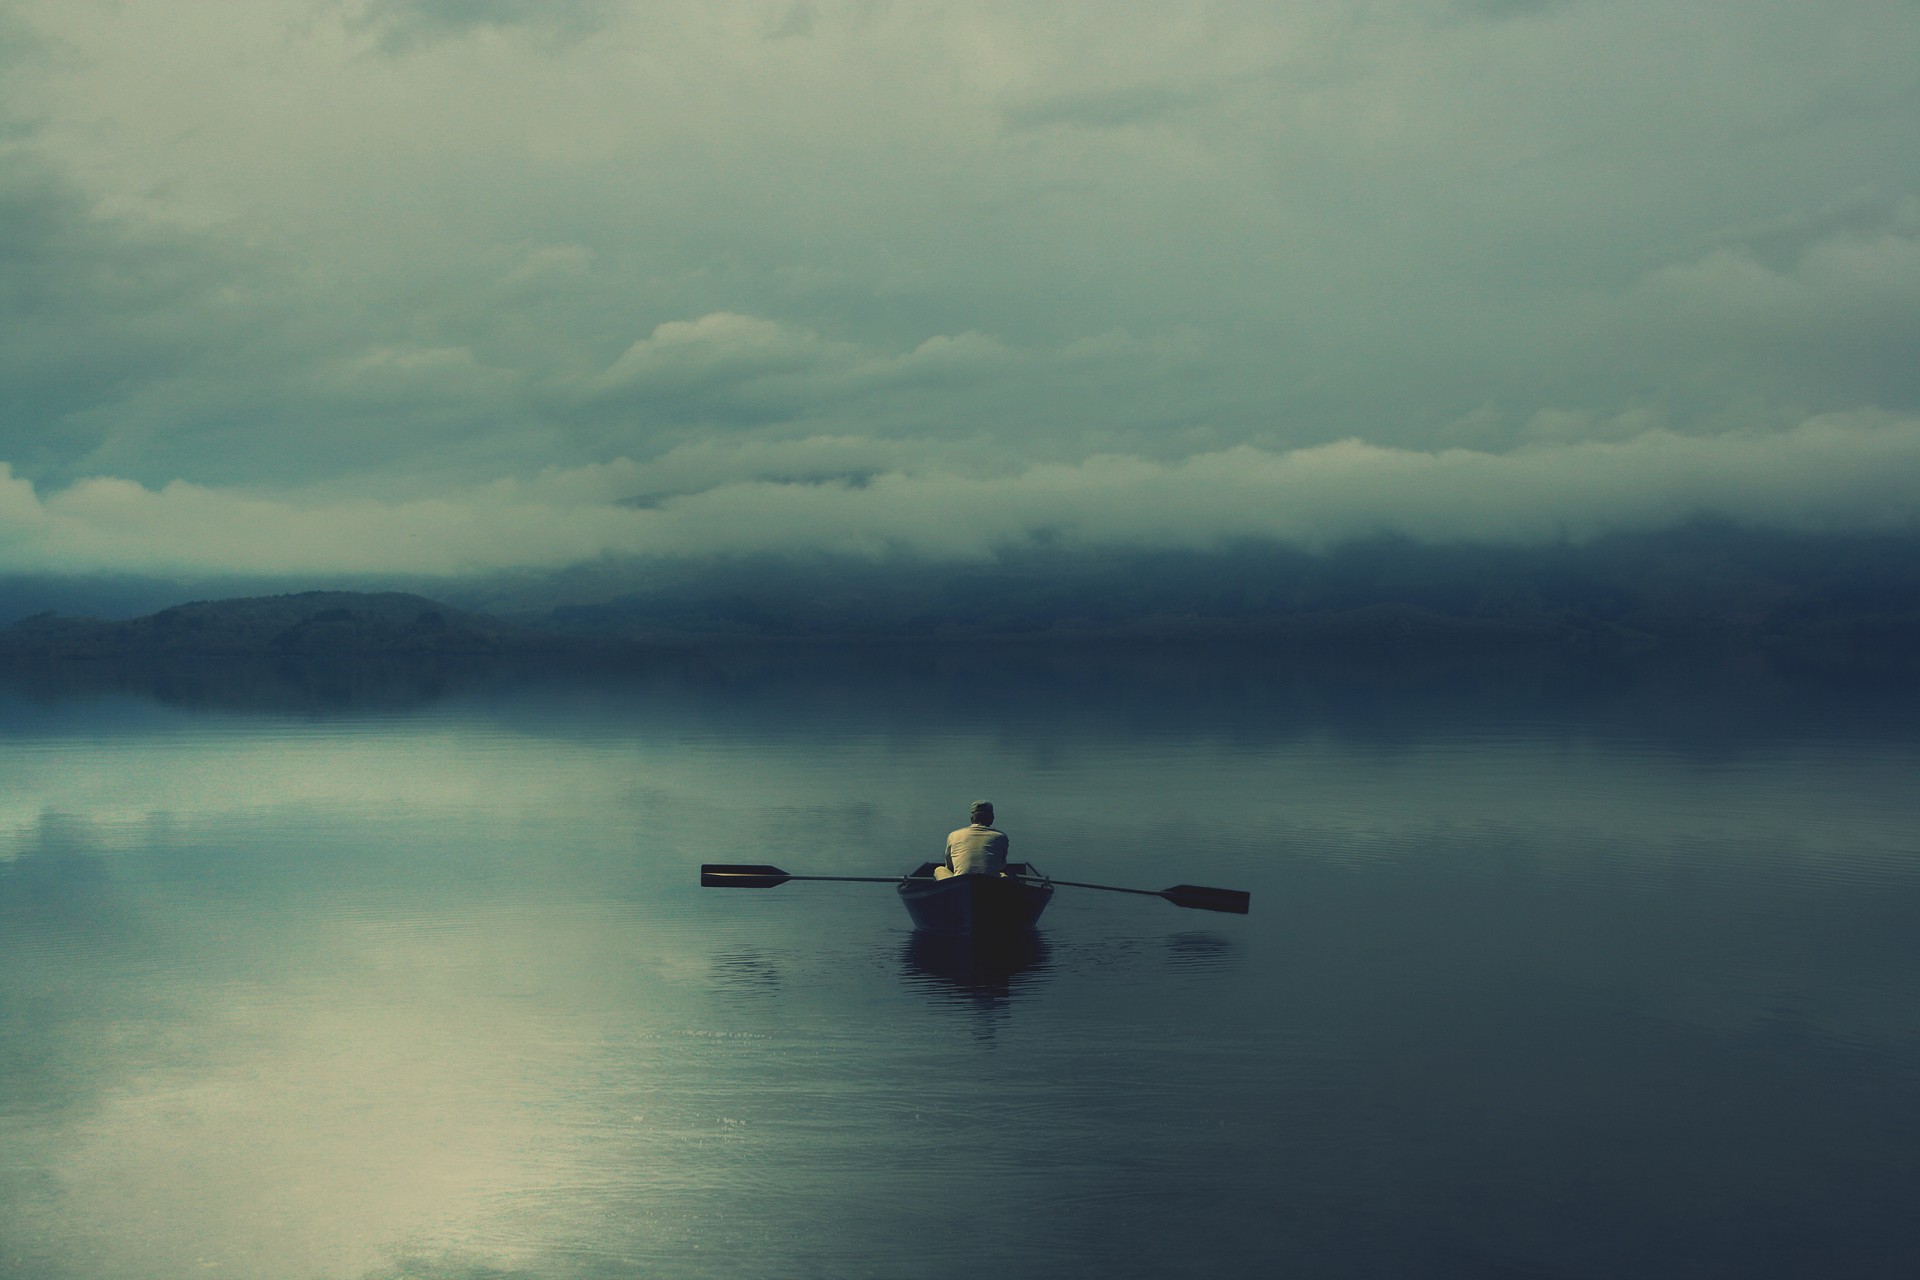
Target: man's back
{"points": [[977, 848]]}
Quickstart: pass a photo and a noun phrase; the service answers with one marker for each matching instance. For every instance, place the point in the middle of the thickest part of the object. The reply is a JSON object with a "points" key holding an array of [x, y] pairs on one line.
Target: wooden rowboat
{"points": [[976, 904], [973, 904]]}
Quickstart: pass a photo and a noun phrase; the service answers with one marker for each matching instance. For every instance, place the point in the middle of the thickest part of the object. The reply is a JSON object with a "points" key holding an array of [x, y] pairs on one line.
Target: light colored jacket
{"points": [[975, 849]]}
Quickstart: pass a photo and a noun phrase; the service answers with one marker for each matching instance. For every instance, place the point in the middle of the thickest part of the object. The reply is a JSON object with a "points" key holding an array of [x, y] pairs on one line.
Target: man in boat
{"points": [[975, 848]]}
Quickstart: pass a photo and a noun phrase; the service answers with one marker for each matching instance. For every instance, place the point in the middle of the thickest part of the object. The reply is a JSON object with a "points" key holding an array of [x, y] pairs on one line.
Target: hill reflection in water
{"points": [[1706, 699]]}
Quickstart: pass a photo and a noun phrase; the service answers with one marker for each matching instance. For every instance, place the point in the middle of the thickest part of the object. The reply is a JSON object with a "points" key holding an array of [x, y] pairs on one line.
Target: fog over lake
{"points": [[1551, 970]]}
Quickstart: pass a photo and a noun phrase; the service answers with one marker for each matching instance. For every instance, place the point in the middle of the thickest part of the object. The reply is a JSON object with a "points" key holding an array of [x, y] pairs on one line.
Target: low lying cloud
{"points": [[849, 496]]}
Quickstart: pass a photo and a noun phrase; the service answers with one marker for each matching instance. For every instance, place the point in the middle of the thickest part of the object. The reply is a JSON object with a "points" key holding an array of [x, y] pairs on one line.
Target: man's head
{"points": [[982, 813]]}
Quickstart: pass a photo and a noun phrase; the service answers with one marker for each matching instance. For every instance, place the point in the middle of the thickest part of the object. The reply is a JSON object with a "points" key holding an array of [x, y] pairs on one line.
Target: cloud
{"points": [[1504, 10], [703, 465], [1101, 108], [1840, 315], [1857, 277], [739, 368], [718, 349], [862, 498], [382, 248], [403, 24]]}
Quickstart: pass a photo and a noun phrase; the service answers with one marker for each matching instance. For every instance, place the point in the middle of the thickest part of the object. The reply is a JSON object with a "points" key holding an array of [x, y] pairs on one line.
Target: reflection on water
{"points": [[985, 970], [1551, 974], [1710, 703], [1202, 952], [746, 975]]}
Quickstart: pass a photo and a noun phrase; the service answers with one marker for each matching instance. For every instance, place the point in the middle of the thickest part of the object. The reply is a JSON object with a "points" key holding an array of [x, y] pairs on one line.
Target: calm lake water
{"points": [[1549, 973]]}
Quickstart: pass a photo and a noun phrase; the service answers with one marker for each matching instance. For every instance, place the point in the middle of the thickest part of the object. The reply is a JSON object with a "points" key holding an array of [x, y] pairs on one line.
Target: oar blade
{"points": [[728, 875], [1232, 901]]}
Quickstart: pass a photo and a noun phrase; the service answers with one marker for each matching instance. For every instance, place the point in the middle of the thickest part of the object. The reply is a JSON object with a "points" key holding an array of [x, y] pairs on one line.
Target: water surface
{"points": [[1549, 973]]}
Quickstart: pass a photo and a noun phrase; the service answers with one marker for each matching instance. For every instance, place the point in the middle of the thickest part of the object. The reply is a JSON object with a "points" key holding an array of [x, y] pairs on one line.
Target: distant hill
{"points": [[310, 623], [1706, 586]]}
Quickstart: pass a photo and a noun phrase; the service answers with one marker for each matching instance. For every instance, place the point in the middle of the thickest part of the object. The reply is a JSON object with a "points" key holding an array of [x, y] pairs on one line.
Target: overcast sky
{"points": [[317, 286]]}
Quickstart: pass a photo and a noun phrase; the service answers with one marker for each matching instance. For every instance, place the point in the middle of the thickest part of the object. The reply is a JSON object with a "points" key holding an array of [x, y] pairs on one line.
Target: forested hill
{"points": [[308, 623]]}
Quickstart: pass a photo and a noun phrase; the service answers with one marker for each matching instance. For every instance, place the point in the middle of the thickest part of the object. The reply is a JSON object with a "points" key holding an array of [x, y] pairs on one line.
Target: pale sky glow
{"points": [[435, 286]]}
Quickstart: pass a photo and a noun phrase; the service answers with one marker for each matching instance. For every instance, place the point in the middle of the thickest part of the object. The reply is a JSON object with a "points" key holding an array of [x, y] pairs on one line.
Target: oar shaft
{"points": [[1110, 888], [761, 876], [863, 879], [1199, 897]]}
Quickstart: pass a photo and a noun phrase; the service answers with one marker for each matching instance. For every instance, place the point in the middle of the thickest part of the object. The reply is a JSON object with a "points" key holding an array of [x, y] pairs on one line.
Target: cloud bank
{"points": [[851, 497]]}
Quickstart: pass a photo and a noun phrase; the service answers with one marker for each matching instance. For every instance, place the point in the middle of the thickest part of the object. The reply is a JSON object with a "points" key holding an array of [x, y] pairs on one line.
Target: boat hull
{"points": [[976, 904]]}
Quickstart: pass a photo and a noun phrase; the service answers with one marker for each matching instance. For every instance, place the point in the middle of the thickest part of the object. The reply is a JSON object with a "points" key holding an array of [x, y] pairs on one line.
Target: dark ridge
{"points": [[1704, 585], [305, 624], [1835, 599]]}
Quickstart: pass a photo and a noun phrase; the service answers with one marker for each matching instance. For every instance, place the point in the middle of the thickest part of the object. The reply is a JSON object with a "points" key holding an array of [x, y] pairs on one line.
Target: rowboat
{"points": [[973, 905], [976, 904]]}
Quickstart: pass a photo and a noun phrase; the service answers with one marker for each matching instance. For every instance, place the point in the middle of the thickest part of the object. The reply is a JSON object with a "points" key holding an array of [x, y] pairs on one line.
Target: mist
{"points": [[1840, 473]]}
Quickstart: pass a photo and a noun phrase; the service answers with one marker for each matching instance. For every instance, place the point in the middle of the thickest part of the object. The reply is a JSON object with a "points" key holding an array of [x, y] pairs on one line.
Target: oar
{"points": [[760, 876], [727, 875], [1199, 897]]}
